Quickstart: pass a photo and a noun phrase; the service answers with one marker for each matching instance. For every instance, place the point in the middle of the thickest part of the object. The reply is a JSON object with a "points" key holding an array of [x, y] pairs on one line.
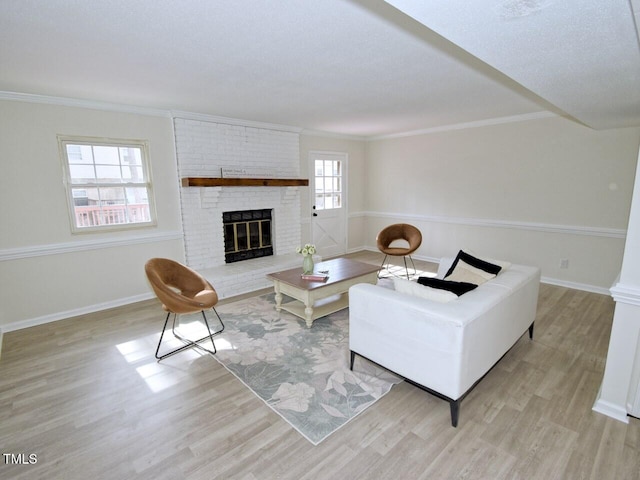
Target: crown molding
{"points": [[157, 112], [203, 117], [463, 126], [78, 103], [339, 136]]}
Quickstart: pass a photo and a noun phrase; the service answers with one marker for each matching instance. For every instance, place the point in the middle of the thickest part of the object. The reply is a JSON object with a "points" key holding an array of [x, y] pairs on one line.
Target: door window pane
{"points": [[328, 184]]}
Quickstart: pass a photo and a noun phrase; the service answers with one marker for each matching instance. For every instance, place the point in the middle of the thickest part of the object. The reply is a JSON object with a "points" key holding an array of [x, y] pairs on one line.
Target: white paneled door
{"points": [[329, 202]]}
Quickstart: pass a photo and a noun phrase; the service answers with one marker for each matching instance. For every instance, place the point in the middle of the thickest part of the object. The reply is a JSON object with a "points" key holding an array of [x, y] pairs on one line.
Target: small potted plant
{"points": [[307, 253]]}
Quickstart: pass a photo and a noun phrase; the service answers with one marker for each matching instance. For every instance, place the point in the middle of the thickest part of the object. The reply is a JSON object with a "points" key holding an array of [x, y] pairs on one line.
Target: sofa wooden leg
{"points": [[455, 411], [353, 357], [531, 331]]}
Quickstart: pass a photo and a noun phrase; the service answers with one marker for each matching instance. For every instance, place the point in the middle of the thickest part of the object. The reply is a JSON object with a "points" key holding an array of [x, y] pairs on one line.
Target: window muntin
{"points": [[328, 184], [108, 183]]}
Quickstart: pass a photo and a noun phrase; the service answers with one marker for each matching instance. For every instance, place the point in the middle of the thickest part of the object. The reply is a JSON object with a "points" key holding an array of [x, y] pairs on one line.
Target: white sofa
{"points": [[443, 348]]}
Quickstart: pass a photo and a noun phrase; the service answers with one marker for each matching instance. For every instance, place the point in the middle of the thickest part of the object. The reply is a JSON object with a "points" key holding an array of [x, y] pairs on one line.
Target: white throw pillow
{"points": [[412, 288], [469, 274]]}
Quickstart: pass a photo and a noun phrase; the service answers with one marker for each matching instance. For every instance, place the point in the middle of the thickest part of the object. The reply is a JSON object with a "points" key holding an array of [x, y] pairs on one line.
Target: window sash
{"points": [[328, 184], [108, 183]]}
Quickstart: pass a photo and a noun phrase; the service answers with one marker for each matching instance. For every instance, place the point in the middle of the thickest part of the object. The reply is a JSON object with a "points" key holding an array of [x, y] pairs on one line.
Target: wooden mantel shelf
{"points": [[243, 182]]}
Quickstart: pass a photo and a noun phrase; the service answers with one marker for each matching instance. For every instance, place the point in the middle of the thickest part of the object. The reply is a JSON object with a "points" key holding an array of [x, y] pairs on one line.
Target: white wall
{"points": [[534, 192], [46, 272]]}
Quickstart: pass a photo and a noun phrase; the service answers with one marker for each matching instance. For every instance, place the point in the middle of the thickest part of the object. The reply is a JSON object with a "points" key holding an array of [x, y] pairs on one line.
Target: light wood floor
{"points": [[87, 397]]}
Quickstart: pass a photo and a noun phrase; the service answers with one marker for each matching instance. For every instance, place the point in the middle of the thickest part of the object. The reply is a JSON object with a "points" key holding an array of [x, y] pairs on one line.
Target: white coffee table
{"points": [[318, 299]]}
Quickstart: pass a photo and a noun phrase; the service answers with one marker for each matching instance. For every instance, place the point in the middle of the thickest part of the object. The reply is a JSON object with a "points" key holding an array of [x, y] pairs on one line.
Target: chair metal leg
{"points": [[382, 265], [162, 335], [404, 259], [189, 343], [415, 270]]}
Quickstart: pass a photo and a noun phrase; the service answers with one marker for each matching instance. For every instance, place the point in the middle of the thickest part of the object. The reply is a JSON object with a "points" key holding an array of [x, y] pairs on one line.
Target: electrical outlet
{"points": [[564, 263]]}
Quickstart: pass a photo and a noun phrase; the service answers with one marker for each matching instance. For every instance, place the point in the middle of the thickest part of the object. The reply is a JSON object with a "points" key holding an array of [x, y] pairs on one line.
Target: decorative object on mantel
{"points": [[243, 182], [307, 262], [247, 172]]}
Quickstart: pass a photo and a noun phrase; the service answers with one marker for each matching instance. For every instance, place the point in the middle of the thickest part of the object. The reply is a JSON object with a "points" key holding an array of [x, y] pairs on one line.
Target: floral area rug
{"points": [[301, 373]]}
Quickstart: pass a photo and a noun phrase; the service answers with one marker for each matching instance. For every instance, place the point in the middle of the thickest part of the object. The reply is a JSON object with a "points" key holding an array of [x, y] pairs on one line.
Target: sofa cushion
{"points": [[470, 269], [412, 288], [458, 288]]}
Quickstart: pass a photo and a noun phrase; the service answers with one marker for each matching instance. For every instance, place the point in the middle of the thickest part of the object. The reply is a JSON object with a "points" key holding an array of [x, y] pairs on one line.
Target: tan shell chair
{"points": [[182, 290], [399, 231]]}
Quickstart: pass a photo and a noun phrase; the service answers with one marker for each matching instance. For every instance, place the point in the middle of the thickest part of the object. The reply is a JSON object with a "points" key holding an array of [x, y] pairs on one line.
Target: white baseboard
{"points": [[548, 280], [609, 409], [575, 285], [54, 317], [423, 258], [258, 267]]}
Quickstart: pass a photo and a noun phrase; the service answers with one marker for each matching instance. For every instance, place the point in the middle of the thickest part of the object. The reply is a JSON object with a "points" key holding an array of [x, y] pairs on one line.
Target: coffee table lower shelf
{"points": [[321, 308]]}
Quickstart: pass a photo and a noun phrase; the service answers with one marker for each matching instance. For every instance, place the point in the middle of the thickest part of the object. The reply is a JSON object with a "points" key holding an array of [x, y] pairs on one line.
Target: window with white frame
{"points": [[328, 184], [108, 183]]}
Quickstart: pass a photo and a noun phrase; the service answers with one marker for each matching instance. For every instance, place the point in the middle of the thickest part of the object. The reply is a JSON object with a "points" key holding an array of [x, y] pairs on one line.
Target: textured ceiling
{"points": [[581, 55], [359, 67]]}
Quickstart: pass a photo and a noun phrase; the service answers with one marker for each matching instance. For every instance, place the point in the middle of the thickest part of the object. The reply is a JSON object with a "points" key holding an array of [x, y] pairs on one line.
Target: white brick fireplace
{"points": [[205, 147]]}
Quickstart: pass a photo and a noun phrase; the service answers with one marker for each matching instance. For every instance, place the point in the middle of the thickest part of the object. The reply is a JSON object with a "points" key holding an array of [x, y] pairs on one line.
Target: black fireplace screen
{"points": [[247, 234]]}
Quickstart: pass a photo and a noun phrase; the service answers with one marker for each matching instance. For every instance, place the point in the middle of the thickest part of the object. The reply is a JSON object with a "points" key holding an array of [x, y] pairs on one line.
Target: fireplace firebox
{"points": [[247, 234]]}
